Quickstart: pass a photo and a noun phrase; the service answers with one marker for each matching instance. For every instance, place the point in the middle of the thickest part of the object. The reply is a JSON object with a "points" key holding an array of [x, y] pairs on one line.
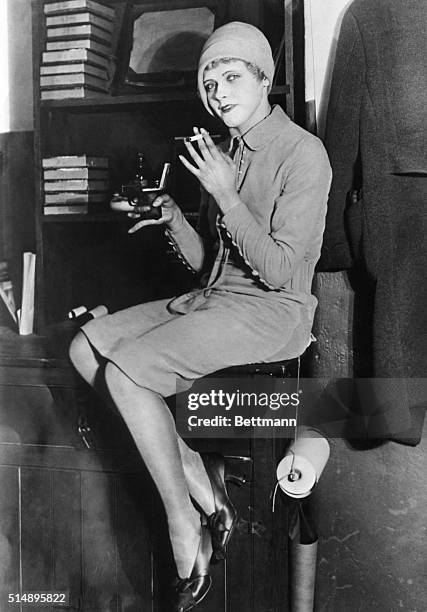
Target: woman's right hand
{"points": [[170, 212]]}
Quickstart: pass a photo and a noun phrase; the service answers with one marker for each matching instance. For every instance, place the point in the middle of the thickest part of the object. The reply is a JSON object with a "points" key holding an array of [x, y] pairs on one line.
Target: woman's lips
{"points": [[227, 108]]}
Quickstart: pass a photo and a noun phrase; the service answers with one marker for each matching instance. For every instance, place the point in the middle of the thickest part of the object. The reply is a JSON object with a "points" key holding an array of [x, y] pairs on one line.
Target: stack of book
{"points": [[78, 52], [73, 184]]}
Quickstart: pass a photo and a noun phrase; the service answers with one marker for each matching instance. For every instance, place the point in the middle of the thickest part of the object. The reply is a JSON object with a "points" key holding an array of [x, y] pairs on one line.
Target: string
{"points": [[273, 503], [296, 416]]}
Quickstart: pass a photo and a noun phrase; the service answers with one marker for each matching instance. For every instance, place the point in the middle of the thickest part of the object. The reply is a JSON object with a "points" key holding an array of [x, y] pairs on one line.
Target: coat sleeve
{"points": [[192, 246], [342, 141], [298, 213], [187, 244]]}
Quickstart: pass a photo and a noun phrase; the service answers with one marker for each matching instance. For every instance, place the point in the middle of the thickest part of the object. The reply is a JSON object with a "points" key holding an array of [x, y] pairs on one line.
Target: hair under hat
{"points": [[240, 40]]}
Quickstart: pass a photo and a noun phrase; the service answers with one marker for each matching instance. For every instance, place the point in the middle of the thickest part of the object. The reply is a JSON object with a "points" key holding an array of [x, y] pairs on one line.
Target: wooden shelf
{"points": [[89, 217], [105, 217], [107, 102]]}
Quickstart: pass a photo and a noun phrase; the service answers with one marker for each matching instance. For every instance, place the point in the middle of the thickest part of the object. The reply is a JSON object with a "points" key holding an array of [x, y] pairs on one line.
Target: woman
{"points": [[265, 204]]}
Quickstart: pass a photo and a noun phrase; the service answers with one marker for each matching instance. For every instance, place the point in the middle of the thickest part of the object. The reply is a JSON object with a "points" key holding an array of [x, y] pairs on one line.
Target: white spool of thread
{"points": [[301, 467]]}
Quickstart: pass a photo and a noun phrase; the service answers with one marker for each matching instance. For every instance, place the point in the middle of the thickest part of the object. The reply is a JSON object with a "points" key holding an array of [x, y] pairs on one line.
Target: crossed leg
{"points": [[177, 470]]}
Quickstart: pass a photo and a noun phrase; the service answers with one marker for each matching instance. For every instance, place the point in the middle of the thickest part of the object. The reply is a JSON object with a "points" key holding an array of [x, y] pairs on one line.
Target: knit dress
{"points": [[257, 305]]}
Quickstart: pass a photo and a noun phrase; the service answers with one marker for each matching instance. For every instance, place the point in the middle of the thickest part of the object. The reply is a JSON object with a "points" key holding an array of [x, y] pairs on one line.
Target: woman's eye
{"points": [[209, 86], [232, 77]]}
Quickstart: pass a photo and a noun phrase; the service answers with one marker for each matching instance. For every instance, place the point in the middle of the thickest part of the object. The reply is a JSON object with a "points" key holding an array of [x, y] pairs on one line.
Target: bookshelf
{"points": [[89, 258]]}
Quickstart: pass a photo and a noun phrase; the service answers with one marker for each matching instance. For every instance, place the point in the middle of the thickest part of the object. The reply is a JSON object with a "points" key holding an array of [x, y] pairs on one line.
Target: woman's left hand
{"points": [[215, 170]]}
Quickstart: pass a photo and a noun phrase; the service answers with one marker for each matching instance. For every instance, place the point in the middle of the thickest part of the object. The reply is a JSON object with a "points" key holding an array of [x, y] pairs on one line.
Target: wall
{"points": [[4, 69], [371, 507], [17, 233], [334, 320], [16, 139], [323, 21], [20, 65]]}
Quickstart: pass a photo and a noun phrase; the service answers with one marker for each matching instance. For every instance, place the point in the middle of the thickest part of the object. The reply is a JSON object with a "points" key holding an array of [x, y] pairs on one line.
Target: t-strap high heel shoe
{"points": [[191, 591], [223, 521]]}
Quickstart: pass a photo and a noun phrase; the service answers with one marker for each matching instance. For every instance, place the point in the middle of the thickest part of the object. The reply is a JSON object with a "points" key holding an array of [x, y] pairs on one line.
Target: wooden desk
{"points": [[89, 521]]}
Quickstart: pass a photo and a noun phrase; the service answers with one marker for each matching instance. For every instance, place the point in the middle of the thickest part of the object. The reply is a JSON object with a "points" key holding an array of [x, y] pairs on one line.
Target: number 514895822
{"points": [[42, 597]]}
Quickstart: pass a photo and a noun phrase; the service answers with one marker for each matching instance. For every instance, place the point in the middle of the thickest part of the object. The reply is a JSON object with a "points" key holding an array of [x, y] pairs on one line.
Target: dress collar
{"points": [[261, 134]]}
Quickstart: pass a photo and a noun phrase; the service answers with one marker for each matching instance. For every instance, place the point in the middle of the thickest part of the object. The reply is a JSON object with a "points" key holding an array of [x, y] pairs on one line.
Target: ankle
{"points": [[198, 481], [185, 544], [189, 524]]}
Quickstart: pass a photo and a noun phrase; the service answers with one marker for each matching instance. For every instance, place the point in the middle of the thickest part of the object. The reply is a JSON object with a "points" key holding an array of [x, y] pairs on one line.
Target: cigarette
{"points": [[77, 312], [194, 138]]}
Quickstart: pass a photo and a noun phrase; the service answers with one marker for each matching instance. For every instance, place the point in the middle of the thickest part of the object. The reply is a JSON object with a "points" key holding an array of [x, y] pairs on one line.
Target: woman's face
{"points": [[235, 95]]}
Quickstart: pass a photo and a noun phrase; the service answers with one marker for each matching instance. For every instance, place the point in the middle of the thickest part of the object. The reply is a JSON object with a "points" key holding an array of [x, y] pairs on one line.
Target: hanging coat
{"points": [[375, 137]]}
